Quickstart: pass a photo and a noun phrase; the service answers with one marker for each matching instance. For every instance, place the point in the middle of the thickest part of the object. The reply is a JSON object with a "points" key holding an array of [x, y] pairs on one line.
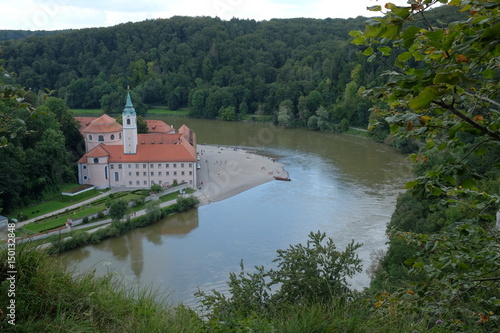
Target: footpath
{"points": [[62, 210], [77, 225]]}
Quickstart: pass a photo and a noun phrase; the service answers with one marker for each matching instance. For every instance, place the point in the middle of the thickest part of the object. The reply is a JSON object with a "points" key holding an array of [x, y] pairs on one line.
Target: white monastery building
{"points": [[116, 156]]}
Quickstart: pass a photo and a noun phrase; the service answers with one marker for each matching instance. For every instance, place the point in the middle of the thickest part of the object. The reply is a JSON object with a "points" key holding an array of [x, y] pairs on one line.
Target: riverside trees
{"points": [[443, 91], [37, 136]]}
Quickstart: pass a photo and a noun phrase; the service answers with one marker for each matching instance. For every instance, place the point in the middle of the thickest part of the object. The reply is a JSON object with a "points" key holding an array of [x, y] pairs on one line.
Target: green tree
{"points": [[303, 109], [69, 126], [117, 210], [285, 113], [442, 91], [228, 113], [314, 272]]}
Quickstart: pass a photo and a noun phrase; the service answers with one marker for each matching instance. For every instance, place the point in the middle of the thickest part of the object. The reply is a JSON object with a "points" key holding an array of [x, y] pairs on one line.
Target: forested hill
{"points": [[305, 69], [18, 34]]}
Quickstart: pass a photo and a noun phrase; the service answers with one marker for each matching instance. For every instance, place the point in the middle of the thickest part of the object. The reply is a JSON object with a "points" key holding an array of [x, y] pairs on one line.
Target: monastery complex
{"points": [[117, 156]]}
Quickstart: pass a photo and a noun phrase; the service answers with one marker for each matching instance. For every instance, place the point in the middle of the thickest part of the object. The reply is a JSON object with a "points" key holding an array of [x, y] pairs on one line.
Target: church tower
{"points": [[129, 118]]}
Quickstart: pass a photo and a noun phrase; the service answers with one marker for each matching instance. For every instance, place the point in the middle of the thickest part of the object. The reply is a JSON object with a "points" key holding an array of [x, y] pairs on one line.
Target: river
{"points": [[343, 185]]}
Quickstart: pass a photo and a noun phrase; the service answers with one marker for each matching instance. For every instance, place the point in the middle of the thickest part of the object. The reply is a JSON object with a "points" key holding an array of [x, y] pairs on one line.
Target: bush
{"points": [[316, 273]]}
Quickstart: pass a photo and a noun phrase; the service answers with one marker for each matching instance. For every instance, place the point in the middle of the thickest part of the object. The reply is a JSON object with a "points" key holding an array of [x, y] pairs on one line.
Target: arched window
{"points": [[112, 136], [90, 137], [101, 137], [106, 172], [128, 121], [96, 160]]}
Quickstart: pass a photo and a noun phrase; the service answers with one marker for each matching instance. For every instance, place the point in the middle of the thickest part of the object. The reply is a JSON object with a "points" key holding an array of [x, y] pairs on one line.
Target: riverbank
{"points": [[227, 171]]}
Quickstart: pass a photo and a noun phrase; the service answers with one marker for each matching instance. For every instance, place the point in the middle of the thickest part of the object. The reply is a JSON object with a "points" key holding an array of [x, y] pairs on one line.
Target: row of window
{"points": [[160, 174], [101, 137], [145, 166], [152, 166], [145, 182]]}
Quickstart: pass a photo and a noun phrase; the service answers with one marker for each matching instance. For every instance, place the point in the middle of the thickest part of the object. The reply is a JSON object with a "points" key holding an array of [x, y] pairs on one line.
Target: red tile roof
{"points": [[99, 151], [165, 139], [103, 124], [158, 126], [146, 153], [84, 122]]}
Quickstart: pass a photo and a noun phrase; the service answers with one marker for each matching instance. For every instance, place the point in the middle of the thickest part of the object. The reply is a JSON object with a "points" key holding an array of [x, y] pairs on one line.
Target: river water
{"points": [[345, 186]]}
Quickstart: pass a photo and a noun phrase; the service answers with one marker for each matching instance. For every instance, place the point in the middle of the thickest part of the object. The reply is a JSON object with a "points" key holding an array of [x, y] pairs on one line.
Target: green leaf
{"points": [[409, 35], [404, 56], [435, 37], [402, 12], [411, 184], [359, 40], [410, 261], [424, 99], [368, 51], [480, 152], [491, 33], [373, 28], [442, 146], [468, 183], [452, 78], [386, 50], [450, 179], [453, 131], [436, 191], [418, 264]]}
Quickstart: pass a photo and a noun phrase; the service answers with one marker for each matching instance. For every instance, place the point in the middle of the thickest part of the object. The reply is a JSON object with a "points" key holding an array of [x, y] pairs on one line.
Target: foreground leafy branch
{"points": [[443, 92]]}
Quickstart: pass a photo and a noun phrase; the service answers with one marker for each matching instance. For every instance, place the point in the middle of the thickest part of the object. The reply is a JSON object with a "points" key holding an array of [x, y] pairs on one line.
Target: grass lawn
{"points": [[257, 118], [55, 222], [81, 112], [163, 111], [60, 221], [59, 202]]}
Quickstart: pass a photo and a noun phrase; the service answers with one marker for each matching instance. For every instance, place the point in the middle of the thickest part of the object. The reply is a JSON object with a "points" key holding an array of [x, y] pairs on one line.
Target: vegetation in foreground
{"points": [[49, 298]]}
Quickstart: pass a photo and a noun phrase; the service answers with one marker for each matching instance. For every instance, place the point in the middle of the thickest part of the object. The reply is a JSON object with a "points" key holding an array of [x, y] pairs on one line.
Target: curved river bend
{"points": [[343, 185]]}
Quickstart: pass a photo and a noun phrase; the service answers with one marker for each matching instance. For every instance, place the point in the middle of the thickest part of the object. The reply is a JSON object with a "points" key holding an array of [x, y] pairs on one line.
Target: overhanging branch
{"points": [[485, 130]]}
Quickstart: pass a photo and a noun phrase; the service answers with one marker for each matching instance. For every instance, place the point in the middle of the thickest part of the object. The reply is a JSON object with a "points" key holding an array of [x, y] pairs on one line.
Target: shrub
{"points": [[316, 272]]}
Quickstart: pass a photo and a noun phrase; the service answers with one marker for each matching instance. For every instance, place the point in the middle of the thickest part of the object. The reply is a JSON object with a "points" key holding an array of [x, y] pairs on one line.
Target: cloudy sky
{"points": [[65, 14]]}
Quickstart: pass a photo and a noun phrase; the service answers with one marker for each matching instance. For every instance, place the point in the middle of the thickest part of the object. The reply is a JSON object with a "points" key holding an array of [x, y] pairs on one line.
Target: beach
{"points": [[226, 171]]}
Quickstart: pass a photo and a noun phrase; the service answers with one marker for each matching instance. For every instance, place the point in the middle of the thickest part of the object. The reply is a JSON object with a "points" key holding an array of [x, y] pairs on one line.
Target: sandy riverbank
{"points": [[227, 171]]}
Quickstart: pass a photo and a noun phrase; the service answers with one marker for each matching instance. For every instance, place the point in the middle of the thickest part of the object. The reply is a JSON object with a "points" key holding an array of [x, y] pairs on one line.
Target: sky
{"points": [[77, 14]]}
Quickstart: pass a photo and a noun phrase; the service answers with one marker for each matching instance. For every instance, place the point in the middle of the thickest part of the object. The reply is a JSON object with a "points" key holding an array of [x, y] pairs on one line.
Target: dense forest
{"points": [[304, 72], [18, 34]]}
